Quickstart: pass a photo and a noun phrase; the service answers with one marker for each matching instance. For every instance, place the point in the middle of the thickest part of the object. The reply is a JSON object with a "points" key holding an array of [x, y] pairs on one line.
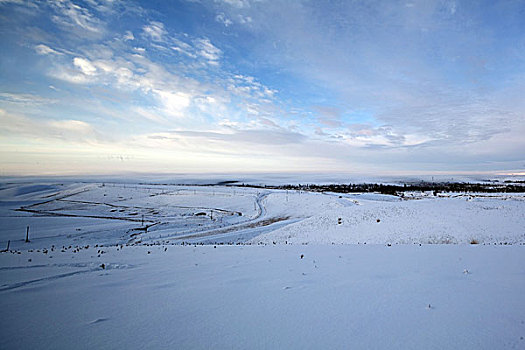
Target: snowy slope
{"points": [[131, 213], [354, 219], [265, 297], [93, 276]]}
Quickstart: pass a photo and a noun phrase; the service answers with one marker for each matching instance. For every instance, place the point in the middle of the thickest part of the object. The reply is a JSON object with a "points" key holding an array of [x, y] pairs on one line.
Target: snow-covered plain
{"points": [[100, 213], [105, 268]]}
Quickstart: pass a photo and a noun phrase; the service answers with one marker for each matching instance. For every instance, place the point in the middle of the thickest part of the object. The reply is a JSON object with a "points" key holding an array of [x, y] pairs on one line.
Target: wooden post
{"points": [[27, 234], [7, 249]]}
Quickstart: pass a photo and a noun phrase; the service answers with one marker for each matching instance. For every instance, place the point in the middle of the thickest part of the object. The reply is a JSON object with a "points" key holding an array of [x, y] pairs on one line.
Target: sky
{"points": [[237, 86]]}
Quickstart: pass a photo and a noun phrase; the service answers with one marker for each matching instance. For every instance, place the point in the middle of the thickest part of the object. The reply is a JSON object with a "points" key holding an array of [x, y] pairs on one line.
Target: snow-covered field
{"points": [[99, 213], [105, 268]]}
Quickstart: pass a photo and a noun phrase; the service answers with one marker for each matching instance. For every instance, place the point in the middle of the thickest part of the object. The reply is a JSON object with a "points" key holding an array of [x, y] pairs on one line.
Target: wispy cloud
{"points": [[235, 3], [221, 18], [126, 67], [339, 85], [155, 31], [207, 50], [42, 49], [256, 136], [84, 66], [72, 16], [70, 130], [24, 99]]}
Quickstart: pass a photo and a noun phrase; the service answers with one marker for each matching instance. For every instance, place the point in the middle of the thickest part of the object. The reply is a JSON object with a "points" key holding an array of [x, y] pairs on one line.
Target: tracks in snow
{"points": [[92, 268], [153, 216], [258, 221]]}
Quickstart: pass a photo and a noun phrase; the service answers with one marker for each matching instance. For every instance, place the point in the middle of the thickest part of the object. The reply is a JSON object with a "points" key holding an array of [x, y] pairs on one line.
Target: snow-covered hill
{"points": [[99, 213], [105, 268]]}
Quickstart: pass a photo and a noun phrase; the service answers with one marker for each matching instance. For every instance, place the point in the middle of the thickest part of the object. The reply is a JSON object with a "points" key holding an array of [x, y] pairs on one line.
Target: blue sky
{"points": [[387, 87]]}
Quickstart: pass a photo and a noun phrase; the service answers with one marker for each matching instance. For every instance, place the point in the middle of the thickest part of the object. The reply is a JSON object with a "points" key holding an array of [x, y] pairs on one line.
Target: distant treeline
{"points": [[398, 189]]}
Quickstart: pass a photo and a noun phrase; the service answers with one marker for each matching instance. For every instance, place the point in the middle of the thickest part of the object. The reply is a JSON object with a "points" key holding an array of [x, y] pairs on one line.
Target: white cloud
{"points": [[174, 102], [68, 75], [183, 51], [244, 19], [235, 3], [163, 41], [66, 129], [329, 116], [70, 14], [85, 66], [228, 21], [183, 47], [149, 113], [20, 2], [221, 18], [42, 49], [208, 51], [76, 126], [417, 114], [107, 7], [24, 99], [155, 31], [128, 35], [233, 139], [249, 87]]}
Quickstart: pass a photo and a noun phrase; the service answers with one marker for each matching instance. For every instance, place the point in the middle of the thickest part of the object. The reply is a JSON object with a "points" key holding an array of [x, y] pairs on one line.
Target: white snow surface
{"points": [[314, 270], [265, 297], [373, 218], [97, 213]]}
